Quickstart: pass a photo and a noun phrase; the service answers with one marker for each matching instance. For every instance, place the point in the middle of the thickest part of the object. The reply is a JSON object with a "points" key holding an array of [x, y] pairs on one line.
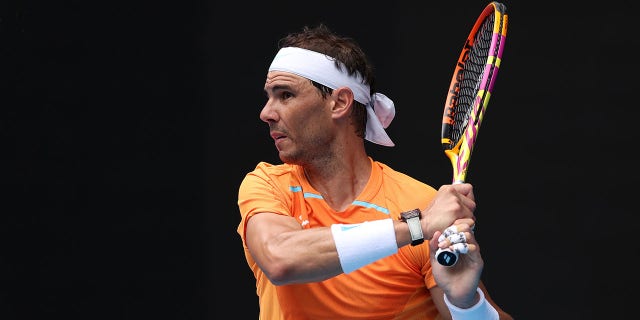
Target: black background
{"points": [[127, 128]]}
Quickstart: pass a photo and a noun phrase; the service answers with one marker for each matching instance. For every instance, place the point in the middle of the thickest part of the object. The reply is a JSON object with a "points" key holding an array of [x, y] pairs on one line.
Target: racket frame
{"points": [[459, 153]]}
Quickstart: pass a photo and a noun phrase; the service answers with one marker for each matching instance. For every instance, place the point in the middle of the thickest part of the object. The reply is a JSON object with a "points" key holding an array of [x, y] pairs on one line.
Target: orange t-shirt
{"points": [[395, 287]]}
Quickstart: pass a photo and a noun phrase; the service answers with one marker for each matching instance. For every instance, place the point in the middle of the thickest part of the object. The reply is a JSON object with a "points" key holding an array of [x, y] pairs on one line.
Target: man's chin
{"points": [[288, 158]]}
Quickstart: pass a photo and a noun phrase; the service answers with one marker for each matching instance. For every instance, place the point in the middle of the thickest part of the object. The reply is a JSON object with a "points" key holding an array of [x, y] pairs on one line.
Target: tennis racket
{"points": [[471, 86]]}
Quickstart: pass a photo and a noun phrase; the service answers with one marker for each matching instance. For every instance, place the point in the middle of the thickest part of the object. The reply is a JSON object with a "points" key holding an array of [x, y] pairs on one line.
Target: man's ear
{"points": [[343, 102]]}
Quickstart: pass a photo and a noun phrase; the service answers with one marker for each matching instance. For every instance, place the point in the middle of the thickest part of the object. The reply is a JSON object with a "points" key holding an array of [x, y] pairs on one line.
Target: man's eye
{"points": [[286, 95]]}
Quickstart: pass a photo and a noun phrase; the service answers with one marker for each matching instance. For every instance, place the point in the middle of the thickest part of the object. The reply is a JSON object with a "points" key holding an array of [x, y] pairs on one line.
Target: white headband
{"points": [[321, 68]]}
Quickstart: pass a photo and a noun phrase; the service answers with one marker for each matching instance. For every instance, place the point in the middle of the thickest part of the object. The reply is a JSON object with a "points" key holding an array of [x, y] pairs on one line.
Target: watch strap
{"points": [[412, 218]]}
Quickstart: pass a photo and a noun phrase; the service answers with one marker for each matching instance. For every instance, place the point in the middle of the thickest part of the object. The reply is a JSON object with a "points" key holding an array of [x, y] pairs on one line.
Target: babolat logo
{"points": [[447, 258]]}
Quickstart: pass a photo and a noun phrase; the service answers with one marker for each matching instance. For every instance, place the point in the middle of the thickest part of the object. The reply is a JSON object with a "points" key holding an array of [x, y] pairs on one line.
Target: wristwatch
{"points": [[412, 218]]}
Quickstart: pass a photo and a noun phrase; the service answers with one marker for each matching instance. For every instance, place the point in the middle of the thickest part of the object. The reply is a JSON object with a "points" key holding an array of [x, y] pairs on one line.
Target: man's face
{"points": [[299, 118]]}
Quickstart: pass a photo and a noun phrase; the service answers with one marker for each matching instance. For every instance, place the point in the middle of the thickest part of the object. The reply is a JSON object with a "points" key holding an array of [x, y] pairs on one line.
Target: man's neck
{"points": [[340, 182]]}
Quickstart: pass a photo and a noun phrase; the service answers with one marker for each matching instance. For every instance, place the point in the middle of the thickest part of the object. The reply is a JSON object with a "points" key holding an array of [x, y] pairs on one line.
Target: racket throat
{"points": [[459, 167]]}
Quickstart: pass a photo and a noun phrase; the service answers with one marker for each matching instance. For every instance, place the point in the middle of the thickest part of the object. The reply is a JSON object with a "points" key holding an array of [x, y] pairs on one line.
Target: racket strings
{"points": [[472, 78]]}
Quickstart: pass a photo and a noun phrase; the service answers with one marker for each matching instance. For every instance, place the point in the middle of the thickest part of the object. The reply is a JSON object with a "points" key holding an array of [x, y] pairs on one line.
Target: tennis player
{"points": [[331, 233]]}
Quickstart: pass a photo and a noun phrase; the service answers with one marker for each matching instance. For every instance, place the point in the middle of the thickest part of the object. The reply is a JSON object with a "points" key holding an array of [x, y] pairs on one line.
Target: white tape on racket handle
{"points": [[457, 238], [461, 247], [448, 232]]}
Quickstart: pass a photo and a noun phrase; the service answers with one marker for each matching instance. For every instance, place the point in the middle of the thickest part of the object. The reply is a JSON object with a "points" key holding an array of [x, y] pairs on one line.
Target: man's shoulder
{"points": [[270, 169], [265, 174], [400, 178]]}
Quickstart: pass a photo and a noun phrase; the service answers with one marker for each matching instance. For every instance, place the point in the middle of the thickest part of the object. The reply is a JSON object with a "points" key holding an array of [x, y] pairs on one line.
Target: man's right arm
{"points": [[287, 253]]}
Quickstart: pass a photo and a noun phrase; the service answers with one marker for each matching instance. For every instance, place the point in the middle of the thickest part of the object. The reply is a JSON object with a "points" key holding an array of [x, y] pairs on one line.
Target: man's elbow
{"points": [[279, 273]]}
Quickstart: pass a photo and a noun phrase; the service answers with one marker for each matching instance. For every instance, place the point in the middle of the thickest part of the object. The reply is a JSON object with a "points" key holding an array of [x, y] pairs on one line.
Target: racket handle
{"points": [[446, 257]]}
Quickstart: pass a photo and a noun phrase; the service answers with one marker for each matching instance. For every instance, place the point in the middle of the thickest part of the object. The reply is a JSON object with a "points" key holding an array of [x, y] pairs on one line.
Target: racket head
{"points": [[471, 86]]}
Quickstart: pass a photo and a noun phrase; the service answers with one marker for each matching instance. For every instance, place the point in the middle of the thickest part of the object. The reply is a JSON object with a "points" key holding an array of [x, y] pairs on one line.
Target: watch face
{"points": [[411, 214]]}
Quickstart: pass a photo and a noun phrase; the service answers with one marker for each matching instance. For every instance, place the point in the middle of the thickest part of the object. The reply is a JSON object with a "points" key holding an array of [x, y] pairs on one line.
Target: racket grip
{"points": [[446, 257]]}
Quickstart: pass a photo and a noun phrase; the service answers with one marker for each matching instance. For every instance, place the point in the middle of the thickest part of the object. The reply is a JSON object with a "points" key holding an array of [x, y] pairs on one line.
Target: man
{"points": [[333, 234]]}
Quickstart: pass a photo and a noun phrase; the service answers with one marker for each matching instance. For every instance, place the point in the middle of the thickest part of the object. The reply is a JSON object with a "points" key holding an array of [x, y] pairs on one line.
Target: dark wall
{"points": [[104, 189], [128, 128]]}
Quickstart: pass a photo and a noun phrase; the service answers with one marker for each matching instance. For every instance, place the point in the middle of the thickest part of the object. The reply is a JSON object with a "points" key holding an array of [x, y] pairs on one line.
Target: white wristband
{"points": [[482, 310], [363, 243]]}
